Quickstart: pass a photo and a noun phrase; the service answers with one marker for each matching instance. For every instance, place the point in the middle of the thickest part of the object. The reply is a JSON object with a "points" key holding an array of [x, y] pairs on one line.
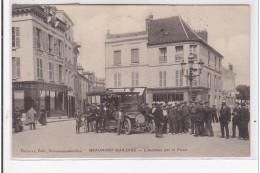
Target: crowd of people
{"points": [[197, 119], [22, 117], [173, 118]]}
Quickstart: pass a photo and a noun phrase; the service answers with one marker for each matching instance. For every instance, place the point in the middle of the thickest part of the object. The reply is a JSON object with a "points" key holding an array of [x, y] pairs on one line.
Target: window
{"points": [[60, 46], [39, 39], [219, 65], [117, 57], [50, 43], [158, 97], [219, 83], [117, 79], [193, 49], [215, 62], [135, 79], [187, 80], [177, 77], [179, 53], [15, 37], [163, 55], [134, 55], [162, 78], [181, 78], [16, 67], [66, 52], [39, 68], [209, 80], [57, 72], [208, 58], [51, 71], [215, 82]]}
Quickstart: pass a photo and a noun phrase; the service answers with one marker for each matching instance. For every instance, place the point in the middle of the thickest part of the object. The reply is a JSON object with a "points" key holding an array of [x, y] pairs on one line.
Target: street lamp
{"points": [[193, 72]]}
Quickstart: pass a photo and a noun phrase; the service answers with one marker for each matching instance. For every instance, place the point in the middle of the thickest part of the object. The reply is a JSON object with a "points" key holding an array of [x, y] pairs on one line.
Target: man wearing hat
{"points": [[224, 119], [171, 119], [193, 108], [199, 120], [208, 120], [185, 117], [179, 119], [244, 120], [236, 120], [158, 116]]}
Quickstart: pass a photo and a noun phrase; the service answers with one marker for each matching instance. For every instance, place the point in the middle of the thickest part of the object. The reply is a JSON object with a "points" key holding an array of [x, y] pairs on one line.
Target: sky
{"points": [[228, 30]]}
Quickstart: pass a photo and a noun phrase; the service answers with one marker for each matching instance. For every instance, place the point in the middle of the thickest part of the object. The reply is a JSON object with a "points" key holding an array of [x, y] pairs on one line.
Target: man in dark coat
{"points": [[245, 119], [224, 119], [179, 118], [171, 119], [208, 120], [98, 118], [43, 119], [236, 120], [185, 117], [78, 120], [193, 115], [158, 117], [199, 120]]}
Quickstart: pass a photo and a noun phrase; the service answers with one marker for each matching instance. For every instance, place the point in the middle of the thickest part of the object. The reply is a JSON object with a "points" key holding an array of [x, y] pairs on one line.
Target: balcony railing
{"points": [[179, 57], [162, 58]]}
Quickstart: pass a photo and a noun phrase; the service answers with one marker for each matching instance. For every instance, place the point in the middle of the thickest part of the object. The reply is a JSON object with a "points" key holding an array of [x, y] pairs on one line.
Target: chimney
{"points": [[203, 34], [147, 20], [230, 67]]}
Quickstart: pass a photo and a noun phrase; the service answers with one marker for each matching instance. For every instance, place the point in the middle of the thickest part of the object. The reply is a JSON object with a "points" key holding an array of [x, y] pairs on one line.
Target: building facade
{"points": [[151, 59], [44, 56]]}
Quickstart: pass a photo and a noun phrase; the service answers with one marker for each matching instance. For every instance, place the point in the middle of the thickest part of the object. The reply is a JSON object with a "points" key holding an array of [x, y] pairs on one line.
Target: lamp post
{"points": [[194, 72]]}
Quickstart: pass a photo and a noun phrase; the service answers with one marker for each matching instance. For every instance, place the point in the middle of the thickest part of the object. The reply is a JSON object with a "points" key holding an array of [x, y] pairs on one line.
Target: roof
{"points": [[172, 30], [111, 36]]}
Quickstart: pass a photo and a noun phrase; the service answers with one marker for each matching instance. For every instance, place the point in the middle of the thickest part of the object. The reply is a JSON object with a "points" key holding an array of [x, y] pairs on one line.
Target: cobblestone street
{"points": [[60, 140]]}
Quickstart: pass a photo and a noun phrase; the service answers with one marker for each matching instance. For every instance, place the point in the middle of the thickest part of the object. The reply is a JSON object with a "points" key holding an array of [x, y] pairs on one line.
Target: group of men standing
{"points": [[198, 118], [99, 113], [181, 118]]}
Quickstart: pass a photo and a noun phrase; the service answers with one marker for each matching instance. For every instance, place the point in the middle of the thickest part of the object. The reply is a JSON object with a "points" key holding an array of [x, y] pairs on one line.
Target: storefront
{"points": [[52, 96], [176, 94]]}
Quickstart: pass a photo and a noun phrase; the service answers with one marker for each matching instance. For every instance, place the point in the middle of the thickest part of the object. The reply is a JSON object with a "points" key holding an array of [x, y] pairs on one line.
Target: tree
{"points": [[244, 92]]}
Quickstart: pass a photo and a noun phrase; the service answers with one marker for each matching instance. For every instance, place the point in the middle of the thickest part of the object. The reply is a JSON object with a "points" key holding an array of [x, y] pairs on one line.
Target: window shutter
{"points": [[52, 45], [13, 36], [164, 78], [41, 40], [133, 79], [177, 77], [115, 80], [41, 68], [181, 78], [34, 37], [18, 72], [13, 68], [17, 36], [119, 79], [44, 40], [160, 78], [137, 79]]}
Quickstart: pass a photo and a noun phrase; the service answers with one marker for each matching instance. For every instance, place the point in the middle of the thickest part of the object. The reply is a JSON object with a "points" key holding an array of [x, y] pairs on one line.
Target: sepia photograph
{"points": [[130, 81]]}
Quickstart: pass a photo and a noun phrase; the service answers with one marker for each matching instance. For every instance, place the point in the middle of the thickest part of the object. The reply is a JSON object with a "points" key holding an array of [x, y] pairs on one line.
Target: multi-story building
{"points": [[44, 56], [151, 59]]}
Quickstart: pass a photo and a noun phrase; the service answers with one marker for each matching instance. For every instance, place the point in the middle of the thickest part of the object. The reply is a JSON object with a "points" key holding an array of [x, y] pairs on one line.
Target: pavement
{"points": [[59, 140], [58, 119]]}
